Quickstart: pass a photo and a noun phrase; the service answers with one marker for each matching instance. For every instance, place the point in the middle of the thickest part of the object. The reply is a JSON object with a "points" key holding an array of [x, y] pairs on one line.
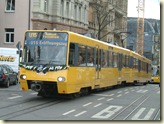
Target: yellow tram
{"points": [[155, 74], [63, 62]]}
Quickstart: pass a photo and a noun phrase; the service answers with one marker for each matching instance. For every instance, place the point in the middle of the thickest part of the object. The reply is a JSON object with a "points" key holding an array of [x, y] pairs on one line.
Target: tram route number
{"points": [[111, 110]]}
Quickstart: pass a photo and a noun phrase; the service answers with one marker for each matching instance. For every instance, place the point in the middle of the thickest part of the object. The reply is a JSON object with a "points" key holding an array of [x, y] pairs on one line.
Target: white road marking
{"points": [[13, 94], [101, 98], [111, 95], [109, 99], [34, 93], [66, 113], [119, 95], [80, 113], [103, 94], [14, 97], [142, 91], [126, 92], [148, 115], [108, 112], [119, 92], [87, 104], [98, 105]]}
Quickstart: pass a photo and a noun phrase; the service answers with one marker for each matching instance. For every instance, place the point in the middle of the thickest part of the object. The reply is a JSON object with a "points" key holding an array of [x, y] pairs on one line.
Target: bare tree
{"points": [[103, 12]]}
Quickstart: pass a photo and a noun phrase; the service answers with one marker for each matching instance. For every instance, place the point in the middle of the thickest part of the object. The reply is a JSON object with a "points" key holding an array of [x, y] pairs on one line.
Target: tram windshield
{"points": [[45, 48], [155, 71]]}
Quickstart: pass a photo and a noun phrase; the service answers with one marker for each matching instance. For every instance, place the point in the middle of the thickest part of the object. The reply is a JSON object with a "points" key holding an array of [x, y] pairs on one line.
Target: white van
{"points": [[10, 57]]}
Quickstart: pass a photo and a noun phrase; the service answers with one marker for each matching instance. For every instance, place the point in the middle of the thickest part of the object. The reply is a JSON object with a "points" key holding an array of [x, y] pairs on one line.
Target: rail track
{"points": [[137, 103]]}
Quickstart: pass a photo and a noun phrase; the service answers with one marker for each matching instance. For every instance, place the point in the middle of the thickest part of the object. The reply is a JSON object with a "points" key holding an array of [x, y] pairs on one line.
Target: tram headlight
{"points": [[23, 76], [61, 79]]}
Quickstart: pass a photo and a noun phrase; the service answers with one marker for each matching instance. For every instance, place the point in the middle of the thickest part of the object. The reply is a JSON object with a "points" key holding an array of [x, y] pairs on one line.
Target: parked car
{"points": [[7, 76]]}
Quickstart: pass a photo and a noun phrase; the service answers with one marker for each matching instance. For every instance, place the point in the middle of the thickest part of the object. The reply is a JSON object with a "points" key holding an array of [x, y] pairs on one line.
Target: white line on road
{"points": [[119, 92], [34, 93], [119, 95], [126, 92], [87, 104], [69, 112], [98, 105], [80, 113], [102, 94], [109, 99], [101, 98], [14, 97], [111, 95]]}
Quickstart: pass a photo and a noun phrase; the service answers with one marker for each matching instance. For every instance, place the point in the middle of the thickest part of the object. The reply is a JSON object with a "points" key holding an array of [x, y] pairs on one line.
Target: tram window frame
{"points": [[82, 52], [131, 61], [119, 61], [115, 60], [149, 68], [74, 48], [139, 65], [104, 59], [123, 60], [110, 59], [136, 64], [98, 58], [127, 59], [90, 56]]}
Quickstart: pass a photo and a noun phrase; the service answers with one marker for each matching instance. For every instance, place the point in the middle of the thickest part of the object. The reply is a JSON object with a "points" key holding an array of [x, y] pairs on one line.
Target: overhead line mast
{"points": [[140, 27]]}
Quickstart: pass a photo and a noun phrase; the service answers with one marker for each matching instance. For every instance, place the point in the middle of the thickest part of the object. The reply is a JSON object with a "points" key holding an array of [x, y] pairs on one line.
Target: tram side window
{"points": [[127, 61], [149, 68], [90, 56], [141, 65], [115, 60], [72, 54], [82, 55], [144, 67], [110, 58], [137, 64], [131, 61], [104, 59], [123, 61]]}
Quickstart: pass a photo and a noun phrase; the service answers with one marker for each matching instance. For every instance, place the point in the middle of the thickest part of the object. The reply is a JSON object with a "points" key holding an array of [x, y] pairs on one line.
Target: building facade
{"points": [[69, 15], [116, 28], [17, 16], [14, 21]]}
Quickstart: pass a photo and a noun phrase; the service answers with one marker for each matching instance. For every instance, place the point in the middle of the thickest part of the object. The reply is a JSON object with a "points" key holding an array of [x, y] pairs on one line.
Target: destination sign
{"points": [[46, 43], [46, 38]]}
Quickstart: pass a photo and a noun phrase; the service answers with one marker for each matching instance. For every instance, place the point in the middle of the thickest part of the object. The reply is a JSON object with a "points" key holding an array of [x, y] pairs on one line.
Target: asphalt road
{"points": [[126, 103]]}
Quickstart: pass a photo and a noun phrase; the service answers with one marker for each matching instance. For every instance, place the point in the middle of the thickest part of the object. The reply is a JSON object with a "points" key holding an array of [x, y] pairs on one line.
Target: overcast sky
{"points": [[152, 8]]}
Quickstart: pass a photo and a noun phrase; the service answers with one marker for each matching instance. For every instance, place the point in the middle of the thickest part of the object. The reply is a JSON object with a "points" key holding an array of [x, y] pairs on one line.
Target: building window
{"points": [[9, 35], [62, 8], [67, 9], [79, 13], [45, 5], [10, 5], [75, 12]]}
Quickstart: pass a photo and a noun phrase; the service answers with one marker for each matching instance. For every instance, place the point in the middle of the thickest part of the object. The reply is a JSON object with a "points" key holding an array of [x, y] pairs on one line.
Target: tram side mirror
{"points": [[19, 52]]}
